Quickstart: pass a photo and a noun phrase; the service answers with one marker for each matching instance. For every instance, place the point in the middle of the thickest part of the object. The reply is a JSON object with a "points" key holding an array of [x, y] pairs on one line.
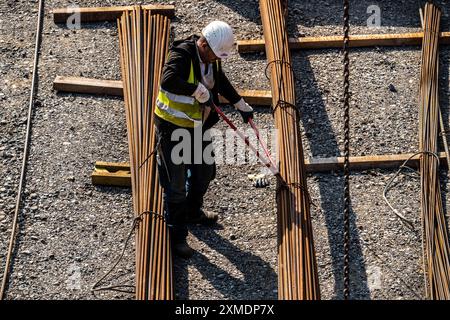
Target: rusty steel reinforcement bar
{"points": [[12, 241], [144, 42], [435, 234], [297, 267]]}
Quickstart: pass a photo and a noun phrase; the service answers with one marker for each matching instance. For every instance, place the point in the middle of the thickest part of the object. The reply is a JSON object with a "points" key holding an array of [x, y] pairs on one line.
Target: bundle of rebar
{"points": [[143, 47], [297, 267], [436, 245]]}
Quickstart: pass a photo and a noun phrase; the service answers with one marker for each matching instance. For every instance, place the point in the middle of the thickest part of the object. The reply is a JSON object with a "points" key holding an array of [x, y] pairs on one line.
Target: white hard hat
{"points": [[220, 38]]}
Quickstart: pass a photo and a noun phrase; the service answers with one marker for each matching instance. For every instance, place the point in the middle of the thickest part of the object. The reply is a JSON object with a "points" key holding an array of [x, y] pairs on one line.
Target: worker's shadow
{"points": [[310, 100], [252, 14], [258, 281]]}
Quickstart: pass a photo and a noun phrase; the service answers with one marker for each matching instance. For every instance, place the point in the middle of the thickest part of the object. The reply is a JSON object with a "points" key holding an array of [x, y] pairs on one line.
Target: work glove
{"points": [[244, 109], [259, 180], [201, 94]]}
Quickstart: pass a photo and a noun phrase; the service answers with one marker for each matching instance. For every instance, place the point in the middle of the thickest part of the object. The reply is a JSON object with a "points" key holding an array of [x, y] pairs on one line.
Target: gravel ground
{"points": [[71, 231]]}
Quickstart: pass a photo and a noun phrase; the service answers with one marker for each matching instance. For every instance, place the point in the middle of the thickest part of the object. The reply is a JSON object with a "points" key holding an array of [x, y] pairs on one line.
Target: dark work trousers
{"points": [[184, 184]]}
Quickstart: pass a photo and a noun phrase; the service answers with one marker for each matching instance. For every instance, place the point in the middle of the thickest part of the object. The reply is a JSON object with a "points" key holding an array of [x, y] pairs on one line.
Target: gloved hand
{"points": [[201, 94], [244, 109]]}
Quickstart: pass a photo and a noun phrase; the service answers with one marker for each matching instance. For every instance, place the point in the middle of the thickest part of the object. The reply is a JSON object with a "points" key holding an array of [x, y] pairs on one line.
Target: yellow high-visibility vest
{"points": [[183, 111]]}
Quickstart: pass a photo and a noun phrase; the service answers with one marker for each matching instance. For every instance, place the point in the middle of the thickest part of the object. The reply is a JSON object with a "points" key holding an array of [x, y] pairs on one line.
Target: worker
{"points": [[192, 75]]}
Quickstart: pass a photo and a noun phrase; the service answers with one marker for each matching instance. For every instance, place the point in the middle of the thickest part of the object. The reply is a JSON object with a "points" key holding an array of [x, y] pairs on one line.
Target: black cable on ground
{"points": [[119, 287], [403, 219]]}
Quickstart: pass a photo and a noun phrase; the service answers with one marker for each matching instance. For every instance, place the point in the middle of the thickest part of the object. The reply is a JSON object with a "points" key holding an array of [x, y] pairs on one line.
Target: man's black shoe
{"points": [[182, 250], [206, 218]]}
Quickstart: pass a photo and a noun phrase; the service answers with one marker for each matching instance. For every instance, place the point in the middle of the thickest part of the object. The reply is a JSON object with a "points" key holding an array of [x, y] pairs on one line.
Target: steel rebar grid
{"points": [[297, 267], [144, 41]]}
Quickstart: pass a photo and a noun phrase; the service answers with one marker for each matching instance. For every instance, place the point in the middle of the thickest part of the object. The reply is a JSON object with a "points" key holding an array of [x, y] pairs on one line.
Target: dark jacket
{"points": [[176, 73]]}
